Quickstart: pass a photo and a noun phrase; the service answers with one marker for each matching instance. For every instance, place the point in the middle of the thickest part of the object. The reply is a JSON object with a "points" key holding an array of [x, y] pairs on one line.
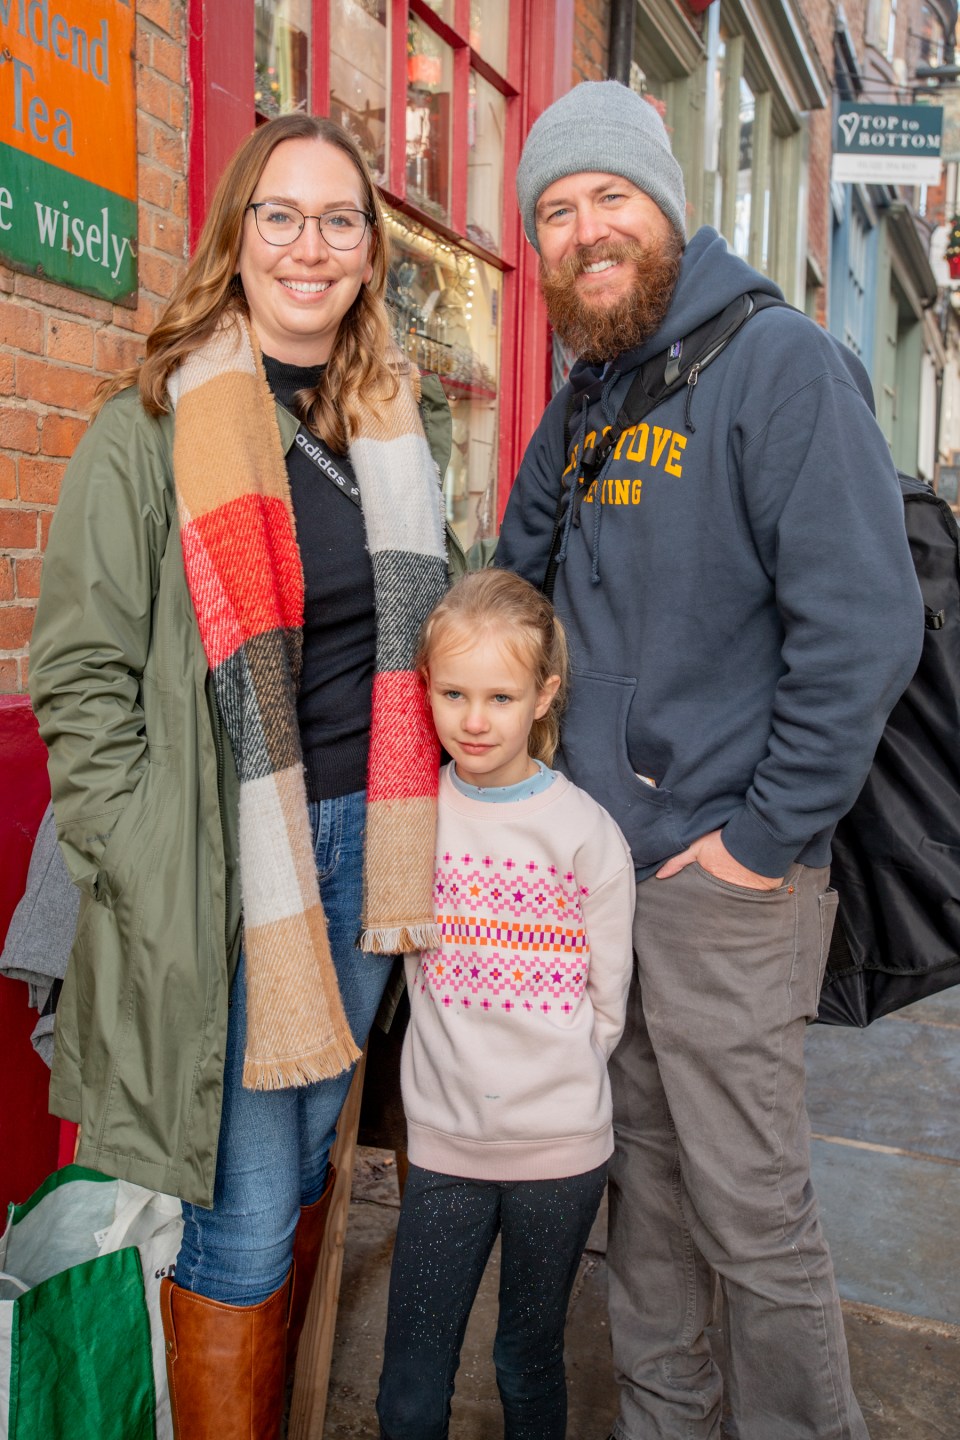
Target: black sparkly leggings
{"points": [[447, 1229]]}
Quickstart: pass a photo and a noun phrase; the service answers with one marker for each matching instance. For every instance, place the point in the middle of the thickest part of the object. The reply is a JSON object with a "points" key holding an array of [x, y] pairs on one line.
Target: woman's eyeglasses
{"points": [[282, 224]]}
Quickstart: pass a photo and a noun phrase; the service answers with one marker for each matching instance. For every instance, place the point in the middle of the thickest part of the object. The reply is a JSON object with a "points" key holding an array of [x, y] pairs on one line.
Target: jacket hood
{"points": [[711, 276]]}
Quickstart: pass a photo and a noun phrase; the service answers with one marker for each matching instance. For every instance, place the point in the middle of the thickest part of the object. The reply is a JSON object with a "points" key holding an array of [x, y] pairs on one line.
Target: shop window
{"points": [[731, 145], [852, 273], [715, 169], [448, 298], [429, 115], [486, 135], [360, 77], [447, 305], [427, 90], [751, 154], [741, 208], [489, 32], [733, 107], [669, 69], [928, 36], [882, 26], [441, 167], [282, 56]]}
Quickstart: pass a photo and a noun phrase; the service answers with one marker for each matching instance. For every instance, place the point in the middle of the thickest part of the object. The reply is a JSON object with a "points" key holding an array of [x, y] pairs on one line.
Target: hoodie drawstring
{"points": [[688, 403], [574, 488], [579, 487], [612, 379]]}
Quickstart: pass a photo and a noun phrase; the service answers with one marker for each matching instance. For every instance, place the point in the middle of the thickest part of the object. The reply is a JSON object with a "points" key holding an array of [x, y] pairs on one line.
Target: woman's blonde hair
{"points": [[364, 360], [500, 603]]}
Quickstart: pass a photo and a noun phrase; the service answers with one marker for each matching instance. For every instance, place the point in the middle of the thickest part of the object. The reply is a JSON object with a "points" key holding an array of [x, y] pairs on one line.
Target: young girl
{"points": [[513, 1018]]}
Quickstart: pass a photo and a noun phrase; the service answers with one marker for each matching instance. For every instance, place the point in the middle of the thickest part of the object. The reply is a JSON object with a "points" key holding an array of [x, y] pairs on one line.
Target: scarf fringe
{"points": [[402, 940], [327, 1064]]}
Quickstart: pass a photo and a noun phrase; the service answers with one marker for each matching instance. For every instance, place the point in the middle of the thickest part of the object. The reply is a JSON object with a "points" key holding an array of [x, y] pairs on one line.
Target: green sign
{"points": [[68, 143], [887, 144], [66, 229]]}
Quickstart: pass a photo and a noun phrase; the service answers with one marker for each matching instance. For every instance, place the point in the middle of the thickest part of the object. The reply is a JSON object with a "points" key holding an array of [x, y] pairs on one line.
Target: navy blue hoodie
{"points": [[737, 588]]}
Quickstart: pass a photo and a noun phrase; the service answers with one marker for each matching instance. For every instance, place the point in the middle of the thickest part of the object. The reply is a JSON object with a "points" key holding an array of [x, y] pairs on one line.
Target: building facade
{"points": [[122, 113], [883, 298], [438, 95]]}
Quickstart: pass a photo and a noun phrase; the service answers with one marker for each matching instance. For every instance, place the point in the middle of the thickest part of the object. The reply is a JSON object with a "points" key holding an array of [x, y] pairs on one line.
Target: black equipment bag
{"points": [[896, 855]]}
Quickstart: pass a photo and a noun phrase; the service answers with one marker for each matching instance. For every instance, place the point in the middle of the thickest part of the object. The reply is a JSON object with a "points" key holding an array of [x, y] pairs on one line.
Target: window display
{"points": [[438, 152], [281, 56], [489, 32], [429, 93], [741, 222], [443, 8], [486, 122], [446, 306], [360, 77]]}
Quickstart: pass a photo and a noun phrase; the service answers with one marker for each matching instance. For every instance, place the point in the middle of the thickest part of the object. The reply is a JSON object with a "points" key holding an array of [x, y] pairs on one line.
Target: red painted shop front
{"points": [[439, 96], [32, 1141]]}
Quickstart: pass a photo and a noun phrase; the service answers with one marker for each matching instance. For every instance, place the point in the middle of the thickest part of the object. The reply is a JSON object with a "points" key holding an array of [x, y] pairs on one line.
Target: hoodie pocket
{"points": [[594, 755]]}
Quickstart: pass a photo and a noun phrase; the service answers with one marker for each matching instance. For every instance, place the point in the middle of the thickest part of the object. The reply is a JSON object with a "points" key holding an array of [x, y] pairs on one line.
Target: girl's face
{"points": [[484, 700], [299, 293]]}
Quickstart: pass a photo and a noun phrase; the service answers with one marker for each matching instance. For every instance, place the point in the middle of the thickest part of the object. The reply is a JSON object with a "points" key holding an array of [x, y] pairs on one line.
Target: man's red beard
{"points": [[597, 331]]}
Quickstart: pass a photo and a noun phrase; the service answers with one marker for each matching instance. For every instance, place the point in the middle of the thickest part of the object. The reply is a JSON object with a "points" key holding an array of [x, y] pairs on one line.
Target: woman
{"points": [[248, 539]]}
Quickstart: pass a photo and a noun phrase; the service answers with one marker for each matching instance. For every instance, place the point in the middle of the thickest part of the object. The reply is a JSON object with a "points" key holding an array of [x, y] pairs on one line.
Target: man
{"points": [[742, 613]]}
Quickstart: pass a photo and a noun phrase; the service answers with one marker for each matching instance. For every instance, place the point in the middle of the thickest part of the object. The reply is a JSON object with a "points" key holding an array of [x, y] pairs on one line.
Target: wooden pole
{"points": [[312, 1378]]}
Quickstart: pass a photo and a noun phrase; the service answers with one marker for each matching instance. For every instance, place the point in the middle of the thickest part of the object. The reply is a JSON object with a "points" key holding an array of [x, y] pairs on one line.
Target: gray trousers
{"points": [[711, 1173]]}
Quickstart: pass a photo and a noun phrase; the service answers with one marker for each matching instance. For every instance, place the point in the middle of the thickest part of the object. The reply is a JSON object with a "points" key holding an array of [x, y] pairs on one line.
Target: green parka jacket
{"points": [[145, 794]]}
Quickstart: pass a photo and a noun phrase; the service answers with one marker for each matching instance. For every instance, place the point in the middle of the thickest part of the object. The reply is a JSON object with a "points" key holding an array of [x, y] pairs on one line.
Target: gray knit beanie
{"points": [[600, 125]]}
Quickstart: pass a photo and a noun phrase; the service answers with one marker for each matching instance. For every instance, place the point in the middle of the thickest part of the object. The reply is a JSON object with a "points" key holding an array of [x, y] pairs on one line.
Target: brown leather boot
{"points": [[225, 1364], [306, 1255]]}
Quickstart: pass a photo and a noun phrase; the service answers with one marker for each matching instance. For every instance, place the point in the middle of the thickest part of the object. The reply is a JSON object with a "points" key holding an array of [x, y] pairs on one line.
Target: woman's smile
{"points": [[298, 293]]}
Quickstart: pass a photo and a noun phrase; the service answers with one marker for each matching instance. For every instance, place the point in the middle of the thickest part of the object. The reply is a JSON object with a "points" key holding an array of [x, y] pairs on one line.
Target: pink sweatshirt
{"points": [[514, 1017]]}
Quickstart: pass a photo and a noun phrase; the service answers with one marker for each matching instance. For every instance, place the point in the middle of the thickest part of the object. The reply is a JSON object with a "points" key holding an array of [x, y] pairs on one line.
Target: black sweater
{"points": [[339, 631]]}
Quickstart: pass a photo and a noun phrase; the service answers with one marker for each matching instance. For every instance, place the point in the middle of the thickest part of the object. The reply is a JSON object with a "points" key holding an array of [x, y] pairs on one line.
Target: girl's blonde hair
{"points": [[364, 360], [499, 602]]}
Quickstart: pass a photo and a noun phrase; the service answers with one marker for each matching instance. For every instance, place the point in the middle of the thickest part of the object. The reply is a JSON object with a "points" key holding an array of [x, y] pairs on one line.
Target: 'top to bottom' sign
{"points": [[887, 144], [68, 157]]}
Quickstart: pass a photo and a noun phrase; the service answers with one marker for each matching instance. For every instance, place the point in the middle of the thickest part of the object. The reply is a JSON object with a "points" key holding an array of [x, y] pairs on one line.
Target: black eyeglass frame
{"points": [[257, 205]]}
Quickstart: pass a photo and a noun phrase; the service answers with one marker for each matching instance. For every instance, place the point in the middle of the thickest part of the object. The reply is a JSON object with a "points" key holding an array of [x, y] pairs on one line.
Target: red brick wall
{"points": [[56, 344], [591, 40]]}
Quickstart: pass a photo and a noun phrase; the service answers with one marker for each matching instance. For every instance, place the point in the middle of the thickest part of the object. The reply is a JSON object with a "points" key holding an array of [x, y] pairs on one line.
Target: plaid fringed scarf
{"points": [[246, 583]]}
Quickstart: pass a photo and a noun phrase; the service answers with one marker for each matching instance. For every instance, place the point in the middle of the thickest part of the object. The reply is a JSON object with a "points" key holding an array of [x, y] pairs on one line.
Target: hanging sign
{"points": [[887, 144], [68, 143], [947, 98]]}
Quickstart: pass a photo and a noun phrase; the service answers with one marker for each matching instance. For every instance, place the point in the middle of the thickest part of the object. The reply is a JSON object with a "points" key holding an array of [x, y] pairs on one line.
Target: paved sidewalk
{"points": [[886, 1156]]}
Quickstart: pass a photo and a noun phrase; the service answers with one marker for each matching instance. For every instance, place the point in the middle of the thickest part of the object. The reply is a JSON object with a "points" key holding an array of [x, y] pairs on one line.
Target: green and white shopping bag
{"points": [[81, 1347]]}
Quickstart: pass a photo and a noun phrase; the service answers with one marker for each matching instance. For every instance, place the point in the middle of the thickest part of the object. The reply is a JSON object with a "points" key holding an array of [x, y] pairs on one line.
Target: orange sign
{"points": [[67, 87]]}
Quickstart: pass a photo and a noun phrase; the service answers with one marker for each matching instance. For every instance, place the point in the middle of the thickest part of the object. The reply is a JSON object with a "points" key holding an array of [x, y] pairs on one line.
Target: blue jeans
{"points": [[447, 1229], [274, 1144]]}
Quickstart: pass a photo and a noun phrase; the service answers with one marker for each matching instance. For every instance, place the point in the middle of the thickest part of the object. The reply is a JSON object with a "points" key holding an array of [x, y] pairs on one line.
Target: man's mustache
{"points": [[582, 259]]}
